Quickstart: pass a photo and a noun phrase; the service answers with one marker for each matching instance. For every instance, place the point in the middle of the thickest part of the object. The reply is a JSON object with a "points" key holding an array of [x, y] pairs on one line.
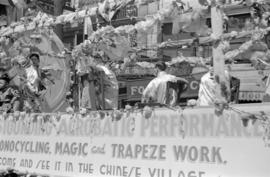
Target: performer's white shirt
{"points": [[207, 95], [32, 78], [156, 89], [207, 91]]}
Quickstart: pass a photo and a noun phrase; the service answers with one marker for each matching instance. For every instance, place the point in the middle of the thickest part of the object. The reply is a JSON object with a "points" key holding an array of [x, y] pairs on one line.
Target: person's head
{"points": [[85, 80], [4, 80], [2, 83], [2, 71], [97, 86], [133, 56], [161, 66], [35, 59]]}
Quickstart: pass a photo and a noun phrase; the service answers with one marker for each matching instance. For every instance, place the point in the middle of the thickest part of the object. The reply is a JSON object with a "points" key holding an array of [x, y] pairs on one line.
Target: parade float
{"points": [[153, 140]]}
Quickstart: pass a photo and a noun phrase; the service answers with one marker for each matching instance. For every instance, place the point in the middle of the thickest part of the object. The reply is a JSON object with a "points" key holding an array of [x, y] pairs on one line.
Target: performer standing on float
{"points": [[31, 88], [9, 95], [156, 91]]}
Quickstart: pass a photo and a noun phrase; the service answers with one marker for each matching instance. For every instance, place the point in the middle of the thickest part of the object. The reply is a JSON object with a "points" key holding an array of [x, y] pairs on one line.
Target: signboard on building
{"points": [[135, 88], [188, 143], [122, 16], [47, 6]]}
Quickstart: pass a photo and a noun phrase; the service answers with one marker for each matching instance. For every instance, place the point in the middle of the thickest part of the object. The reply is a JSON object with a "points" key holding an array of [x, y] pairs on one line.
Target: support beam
{"points": [[218, 54], [58, 10]]}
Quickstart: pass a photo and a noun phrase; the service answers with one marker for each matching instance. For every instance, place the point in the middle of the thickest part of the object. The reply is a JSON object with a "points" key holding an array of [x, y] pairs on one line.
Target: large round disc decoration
{"points": [[49, 46]]}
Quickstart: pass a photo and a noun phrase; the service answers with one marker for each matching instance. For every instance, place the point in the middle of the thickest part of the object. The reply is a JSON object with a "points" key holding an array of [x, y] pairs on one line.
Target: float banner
{"points": [[189, 143]]}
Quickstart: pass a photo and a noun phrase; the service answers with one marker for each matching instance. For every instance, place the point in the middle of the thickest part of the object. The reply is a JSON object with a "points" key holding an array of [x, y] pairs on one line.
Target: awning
{"points": [[252, 86], [253, 91], [6, 2]]}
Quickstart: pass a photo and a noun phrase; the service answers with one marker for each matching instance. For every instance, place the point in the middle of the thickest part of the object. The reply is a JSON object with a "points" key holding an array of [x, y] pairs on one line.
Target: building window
{"points": [[167, 28], [3, 15]]}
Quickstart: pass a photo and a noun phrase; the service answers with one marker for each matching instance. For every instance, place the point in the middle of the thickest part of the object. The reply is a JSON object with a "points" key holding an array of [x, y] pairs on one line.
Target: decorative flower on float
{"points": [[193, 20], [147, 112]]}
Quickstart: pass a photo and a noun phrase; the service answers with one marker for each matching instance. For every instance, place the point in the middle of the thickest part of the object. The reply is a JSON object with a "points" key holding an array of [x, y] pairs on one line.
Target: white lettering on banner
{"points": [[194, 85], [133, 146], [137, 90]]}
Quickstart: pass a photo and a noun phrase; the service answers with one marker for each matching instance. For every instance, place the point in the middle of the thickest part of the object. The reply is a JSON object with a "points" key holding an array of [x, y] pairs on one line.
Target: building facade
{"points": [[9, 13], [252, 81]]}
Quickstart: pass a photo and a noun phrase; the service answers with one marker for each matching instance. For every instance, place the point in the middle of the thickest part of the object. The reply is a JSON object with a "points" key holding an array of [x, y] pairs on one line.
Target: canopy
{"points": [[5, 2]]}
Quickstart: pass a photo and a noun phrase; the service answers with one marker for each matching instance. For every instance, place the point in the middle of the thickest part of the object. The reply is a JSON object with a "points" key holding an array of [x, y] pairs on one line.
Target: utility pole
{"points": [[218, 54], [58, 10]]}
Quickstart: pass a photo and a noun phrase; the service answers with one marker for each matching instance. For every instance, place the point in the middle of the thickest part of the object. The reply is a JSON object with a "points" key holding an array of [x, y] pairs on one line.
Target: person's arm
{"points": [[172, 97], [149, 92], [184, 81]]}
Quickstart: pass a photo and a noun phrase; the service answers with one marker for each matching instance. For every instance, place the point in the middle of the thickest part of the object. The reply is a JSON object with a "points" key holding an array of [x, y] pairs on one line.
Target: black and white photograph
{"points": [[134, 88]]}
